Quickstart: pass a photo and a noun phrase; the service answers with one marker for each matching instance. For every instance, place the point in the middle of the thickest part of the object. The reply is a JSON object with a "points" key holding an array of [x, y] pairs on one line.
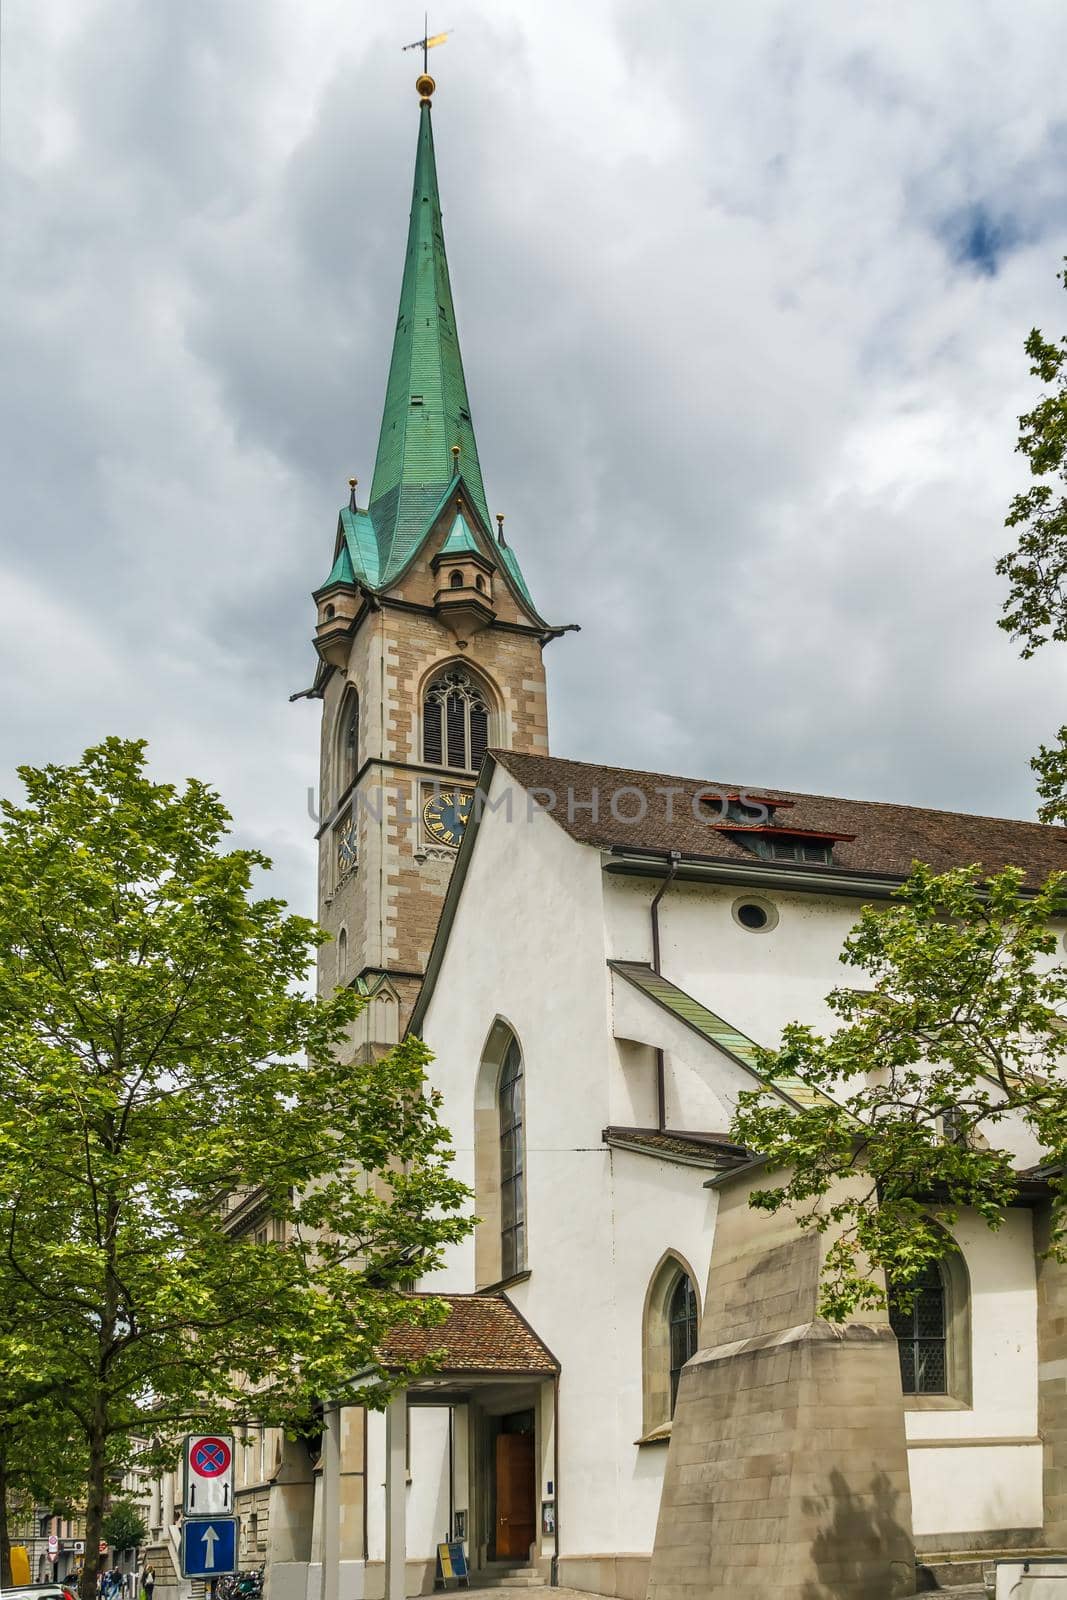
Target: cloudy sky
{"points": [[742, 290]]}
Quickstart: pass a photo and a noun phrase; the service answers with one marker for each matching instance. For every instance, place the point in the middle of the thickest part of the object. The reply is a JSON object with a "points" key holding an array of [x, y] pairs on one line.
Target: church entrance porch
{"points": [[493, 1459], [466, 1453]]}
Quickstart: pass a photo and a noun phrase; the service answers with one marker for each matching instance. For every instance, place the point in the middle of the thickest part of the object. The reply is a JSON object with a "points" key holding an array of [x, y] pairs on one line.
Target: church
{"points": [[593, 955]]}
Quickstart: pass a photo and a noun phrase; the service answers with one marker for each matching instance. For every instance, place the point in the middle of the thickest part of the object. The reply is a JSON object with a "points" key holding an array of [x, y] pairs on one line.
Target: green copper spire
{"points": [[427, 411]]}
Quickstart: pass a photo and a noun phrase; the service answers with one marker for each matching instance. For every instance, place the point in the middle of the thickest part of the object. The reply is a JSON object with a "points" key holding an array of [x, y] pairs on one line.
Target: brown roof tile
{"points": [[707, 1149], [887, 838], [482, 1333]]}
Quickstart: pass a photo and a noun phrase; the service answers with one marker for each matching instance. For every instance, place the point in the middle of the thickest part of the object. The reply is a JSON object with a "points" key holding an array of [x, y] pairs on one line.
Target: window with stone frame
{"points": [[682, 1317], [919, 1322], [932, 1323], [512, 1164], [455, 722], [670, 1334]]}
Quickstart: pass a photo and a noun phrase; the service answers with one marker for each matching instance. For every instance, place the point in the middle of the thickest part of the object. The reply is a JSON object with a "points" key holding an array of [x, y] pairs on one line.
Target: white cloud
{"points": [[747, 400]]}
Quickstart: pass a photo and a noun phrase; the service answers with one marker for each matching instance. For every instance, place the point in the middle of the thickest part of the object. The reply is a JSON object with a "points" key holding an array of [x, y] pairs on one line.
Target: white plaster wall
{"points": [[756, 981], [975, 1490], [528, 944], [427, 1503], [658, 1206]]}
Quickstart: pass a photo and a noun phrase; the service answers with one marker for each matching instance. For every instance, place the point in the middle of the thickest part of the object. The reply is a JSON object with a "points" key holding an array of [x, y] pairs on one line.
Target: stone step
{"points": [[497, 1577]]}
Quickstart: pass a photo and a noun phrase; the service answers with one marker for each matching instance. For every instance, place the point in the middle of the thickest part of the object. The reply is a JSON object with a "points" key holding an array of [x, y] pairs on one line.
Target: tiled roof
{"points": [[709, 1026], [482, 1333], [888, 838], [698, 1149]]}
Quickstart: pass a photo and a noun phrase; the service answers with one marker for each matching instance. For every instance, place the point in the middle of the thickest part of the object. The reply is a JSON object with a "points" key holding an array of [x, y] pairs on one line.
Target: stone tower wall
{"points": [[787, 1470]]}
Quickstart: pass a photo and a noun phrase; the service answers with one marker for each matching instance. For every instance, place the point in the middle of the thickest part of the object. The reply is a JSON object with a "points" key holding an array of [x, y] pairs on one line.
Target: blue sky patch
{"points": [[978, 237]]}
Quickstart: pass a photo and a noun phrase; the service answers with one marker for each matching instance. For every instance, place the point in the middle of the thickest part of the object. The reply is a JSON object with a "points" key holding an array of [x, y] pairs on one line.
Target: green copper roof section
{"points": [[362, 546], [426, 406], [711, 1027], [511, 561], [460, 541], [341, 571]]}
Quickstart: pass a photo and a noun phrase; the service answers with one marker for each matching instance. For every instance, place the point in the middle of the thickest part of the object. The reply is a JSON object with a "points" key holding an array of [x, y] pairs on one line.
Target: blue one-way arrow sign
{"points": [[209, 1547]]}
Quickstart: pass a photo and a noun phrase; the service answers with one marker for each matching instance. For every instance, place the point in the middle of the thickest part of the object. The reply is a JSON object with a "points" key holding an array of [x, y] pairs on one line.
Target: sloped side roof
{"points": [[731, 1041], [482, 1333], [885, 838], [715, 1150]]}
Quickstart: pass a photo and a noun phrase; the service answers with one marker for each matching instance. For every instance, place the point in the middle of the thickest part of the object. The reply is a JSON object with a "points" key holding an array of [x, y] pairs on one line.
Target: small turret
{"points": [[464, 596]]}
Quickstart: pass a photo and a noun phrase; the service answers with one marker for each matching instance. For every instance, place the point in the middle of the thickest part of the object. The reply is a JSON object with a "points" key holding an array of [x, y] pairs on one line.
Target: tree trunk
{"points": [[96, 1488], [5, 1534]]}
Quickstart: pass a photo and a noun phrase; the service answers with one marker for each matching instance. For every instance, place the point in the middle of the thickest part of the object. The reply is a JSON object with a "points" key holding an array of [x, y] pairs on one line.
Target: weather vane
{"points": [[427, 42]]}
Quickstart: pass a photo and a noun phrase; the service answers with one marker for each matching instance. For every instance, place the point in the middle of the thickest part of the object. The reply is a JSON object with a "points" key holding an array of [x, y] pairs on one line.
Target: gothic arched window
{"points": [[348, 743], [455, 722], [512, 1163], [682, 1320], [921, 1327], [672, 1316]]}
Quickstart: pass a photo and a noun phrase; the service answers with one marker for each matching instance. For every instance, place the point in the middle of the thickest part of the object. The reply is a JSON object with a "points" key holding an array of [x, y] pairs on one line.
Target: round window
{"points": [[758, 916]]}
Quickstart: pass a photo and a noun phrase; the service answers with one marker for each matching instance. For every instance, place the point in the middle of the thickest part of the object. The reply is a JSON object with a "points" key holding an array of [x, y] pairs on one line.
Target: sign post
{"points": [[209, 1542], [208, 1475], [209, 1547]]}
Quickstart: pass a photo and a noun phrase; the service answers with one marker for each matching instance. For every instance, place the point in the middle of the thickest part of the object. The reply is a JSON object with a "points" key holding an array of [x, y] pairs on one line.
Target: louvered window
{"points": [[455, 723], [432, 731], [921, 1332]]}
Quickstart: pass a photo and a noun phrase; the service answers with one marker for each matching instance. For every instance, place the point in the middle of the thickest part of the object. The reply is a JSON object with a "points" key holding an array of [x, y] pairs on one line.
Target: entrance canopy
{"points": [[483, 1340]]}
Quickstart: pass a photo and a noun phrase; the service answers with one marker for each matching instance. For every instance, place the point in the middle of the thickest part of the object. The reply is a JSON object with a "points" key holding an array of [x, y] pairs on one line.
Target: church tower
{"points": [[429, 648]]}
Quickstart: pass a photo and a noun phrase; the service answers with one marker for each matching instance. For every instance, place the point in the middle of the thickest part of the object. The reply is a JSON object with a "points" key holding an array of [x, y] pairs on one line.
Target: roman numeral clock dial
{"points": [[445, 813]]}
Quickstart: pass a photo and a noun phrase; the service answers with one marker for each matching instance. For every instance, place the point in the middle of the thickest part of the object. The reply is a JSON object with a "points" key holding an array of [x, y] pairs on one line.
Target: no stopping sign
{"points": [[208, 1475], [210, 1458]]}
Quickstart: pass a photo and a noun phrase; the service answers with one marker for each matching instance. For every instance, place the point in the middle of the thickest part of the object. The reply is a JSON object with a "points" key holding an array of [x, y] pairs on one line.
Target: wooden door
{"points": [[516, 1509]]}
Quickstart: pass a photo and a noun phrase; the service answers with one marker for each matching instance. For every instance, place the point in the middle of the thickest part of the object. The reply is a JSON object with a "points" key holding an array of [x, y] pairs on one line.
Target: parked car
{"points": [[42, 1591]]}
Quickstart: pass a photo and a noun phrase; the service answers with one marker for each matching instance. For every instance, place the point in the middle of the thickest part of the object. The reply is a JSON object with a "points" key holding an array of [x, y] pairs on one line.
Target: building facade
{"points": [[594, 956]]}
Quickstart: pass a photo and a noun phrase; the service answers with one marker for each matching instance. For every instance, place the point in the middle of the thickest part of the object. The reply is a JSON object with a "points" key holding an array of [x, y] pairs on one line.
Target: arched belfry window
{"points": [[348, 742], [672, 1321], [455, 722]]}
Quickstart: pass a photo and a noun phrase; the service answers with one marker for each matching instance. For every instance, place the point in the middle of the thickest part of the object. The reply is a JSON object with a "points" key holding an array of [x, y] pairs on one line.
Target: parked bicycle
{"points": [[240, 1586]]}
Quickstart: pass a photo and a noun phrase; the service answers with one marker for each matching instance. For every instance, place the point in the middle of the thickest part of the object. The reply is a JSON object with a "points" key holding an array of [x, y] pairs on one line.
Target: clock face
{"points": [[445, 814], [347, 846]]}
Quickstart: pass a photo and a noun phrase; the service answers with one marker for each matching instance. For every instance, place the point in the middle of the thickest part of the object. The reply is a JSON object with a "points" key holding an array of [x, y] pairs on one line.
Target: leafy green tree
{"points": [[42, 1460], [1035, 611], [956, 1024], [159, 1053], [124, 1527]]}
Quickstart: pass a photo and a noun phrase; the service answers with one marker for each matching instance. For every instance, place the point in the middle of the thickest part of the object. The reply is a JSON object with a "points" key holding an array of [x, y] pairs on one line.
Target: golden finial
{"points": [[455, 458], [425, 86], [500, 526], [352, 493]]}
